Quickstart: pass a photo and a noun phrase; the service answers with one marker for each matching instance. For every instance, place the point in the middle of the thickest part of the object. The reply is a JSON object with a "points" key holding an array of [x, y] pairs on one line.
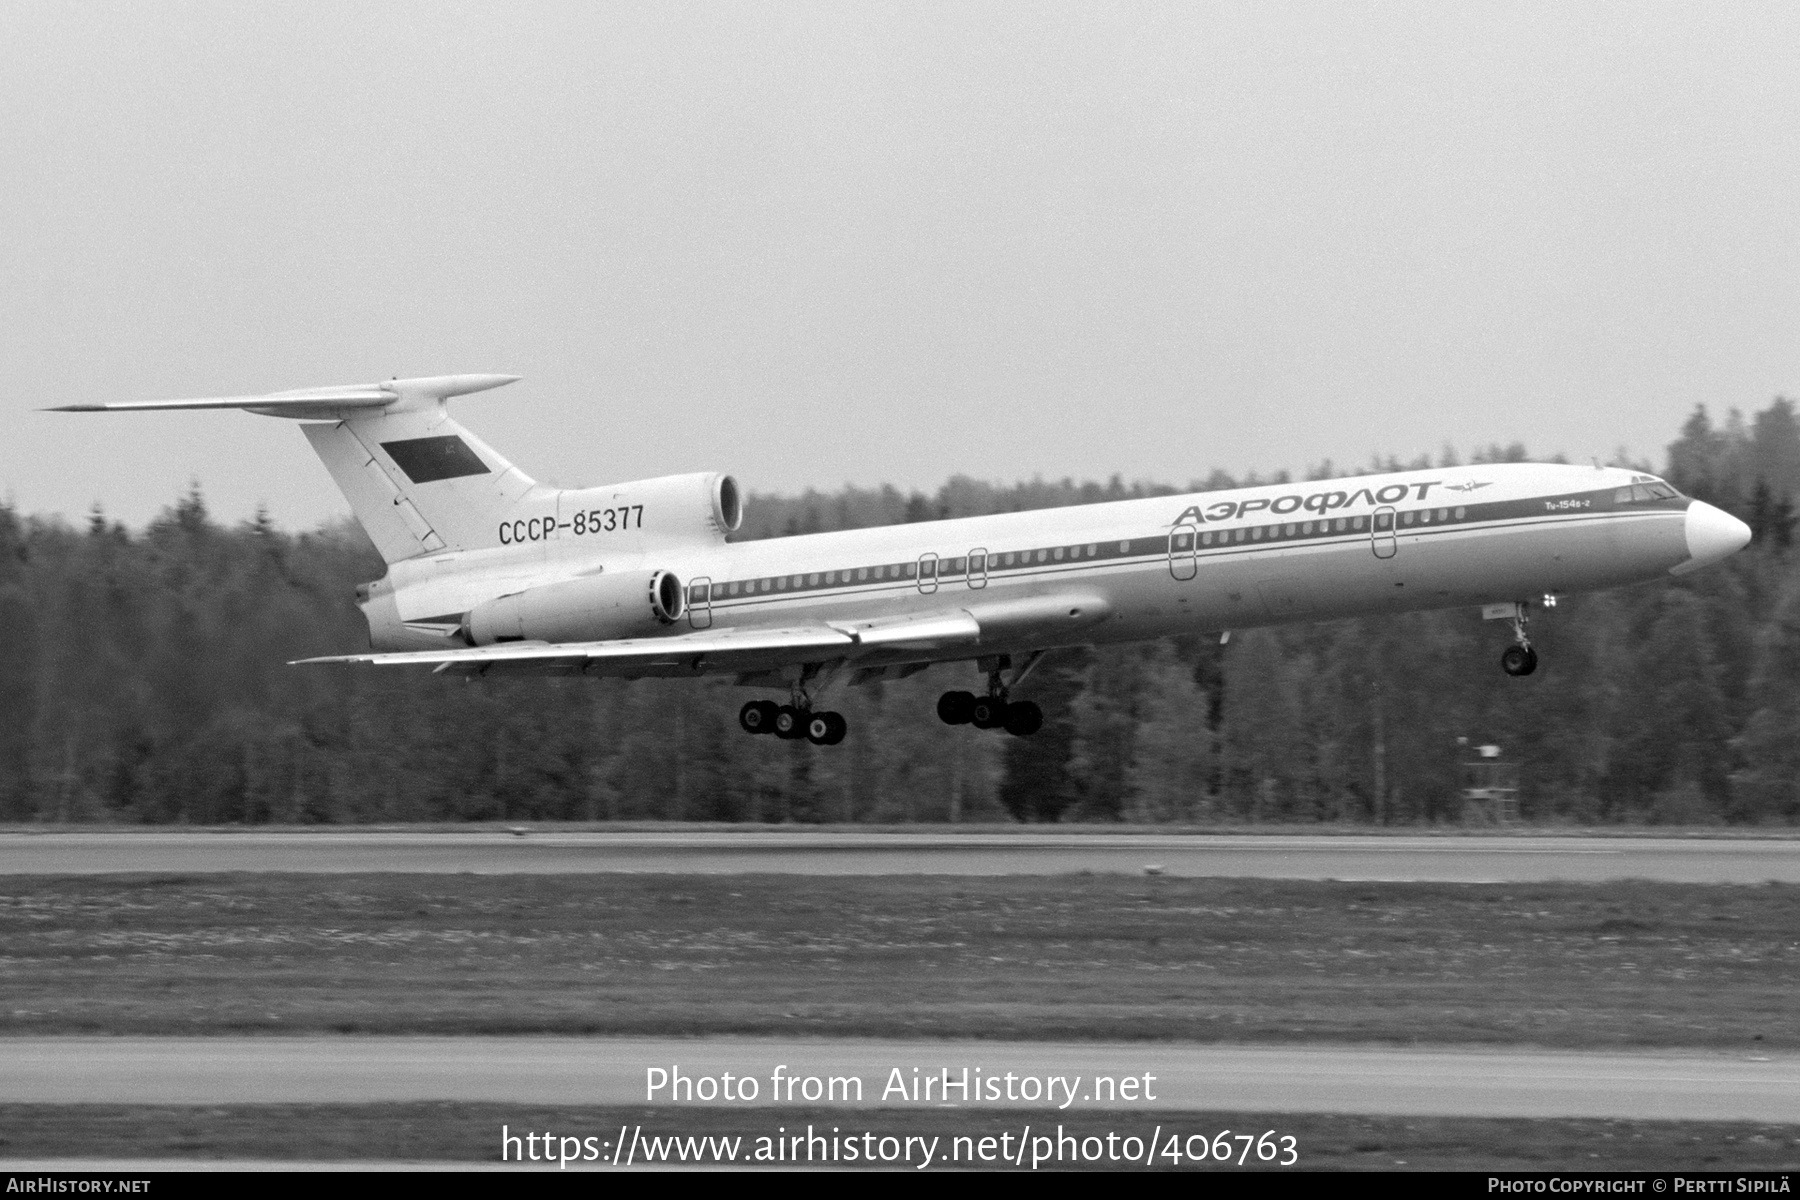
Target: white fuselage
{"points": [[1114, 572]]}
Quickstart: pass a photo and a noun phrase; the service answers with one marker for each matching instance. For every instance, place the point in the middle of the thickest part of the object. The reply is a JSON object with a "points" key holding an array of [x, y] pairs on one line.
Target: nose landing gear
{"points": [[1518, 658]]}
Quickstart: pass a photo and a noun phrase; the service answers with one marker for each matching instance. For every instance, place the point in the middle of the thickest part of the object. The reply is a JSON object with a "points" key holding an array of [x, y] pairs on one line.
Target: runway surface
{"points": [[579, 1071], [1456, 859]]}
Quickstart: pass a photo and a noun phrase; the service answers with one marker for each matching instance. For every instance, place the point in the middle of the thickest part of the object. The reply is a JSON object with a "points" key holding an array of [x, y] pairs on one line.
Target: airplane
{"points": [[491, 573]]}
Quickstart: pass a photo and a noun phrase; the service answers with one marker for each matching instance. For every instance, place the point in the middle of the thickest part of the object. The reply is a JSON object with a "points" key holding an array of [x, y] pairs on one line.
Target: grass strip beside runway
{"points": [[1066, 957], [451, 1132]]}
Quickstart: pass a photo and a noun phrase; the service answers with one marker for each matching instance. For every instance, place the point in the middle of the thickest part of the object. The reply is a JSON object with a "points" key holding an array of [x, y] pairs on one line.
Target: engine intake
{"points": [[728, 504], [592, 608], [667, 599]]}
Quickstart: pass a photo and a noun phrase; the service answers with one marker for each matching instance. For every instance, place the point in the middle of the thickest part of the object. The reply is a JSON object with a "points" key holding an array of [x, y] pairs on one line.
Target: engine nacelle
{"points": [[589, 609], [670, 509]]}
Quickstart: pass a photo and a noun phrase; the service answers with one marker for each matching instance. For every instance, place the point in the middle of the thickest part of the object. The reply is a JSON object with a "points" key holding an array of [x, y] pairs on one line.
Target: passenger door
{"points": [[1184, 550], [700, 603]]}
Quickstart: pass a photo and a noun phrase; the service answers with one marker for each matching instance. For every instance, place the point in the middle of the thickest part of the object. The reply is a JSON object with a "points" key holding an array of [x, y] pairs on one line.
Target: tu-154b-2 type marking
{"points": [[490, 572]]}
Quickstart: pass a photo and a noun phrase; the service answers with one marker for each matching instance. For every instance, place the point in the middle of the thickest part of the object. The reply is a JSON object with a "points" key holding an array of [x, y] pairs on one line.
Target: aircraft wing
{"points": [[694, 653], [741, 649]]}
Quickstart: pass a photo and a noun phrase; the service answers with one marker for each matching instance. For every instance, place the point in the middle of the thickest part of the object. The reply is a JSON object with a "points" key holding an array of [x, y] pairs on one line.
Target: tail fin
{"points": [[418, 482]]}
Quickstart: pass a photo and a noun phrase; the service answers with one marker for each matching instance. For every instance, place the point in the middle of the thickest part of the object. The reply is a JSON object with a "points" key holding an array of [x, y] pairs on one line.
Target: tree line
{"points": [[145, 680]]}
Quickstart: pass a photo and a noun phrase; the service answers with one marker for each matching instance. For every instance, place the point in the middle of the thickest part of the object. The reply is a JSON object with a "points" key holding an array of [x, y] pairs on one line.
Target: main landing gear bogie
{"points": [[791, 723], [1021, 718]]}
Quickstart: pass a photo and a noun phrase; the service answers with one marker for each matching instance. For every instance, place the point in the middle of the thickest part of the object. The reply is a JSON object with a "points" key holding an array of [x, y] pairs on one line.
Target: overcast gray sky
{"points": [[818, 243]]}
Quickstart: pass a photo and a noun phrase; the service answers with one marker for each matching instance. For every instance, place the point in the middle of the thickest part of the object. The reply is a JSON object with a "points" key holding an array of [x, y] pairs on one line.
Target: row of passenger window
{"points": [[973, 566], [791, 583], [977, 564]]}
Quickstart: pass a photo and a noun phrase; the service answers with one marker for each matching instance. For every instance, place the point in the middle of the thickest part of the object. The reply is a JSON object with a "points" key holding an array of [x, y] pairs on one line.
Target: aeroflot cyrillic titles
{"points": [[492, 573]]}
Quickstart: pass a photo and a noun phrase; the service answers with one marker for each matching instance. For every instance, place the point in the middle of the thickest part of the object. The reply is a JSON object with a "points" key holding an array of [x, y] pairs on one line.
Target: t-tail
{"points": [[382, 443]]}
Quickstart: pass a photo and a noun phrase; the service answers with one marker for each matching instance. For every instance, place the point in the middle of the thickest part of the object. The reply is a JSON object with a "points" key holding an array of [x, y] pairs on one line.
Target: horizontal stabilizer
{"points": [[322, 403]]}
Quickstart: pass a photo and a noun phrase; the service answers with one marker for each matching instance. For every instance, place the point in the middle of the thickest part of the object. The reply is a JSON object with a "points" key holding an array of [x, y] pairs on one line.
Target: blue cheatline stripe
{"points": [[1132, 552]]}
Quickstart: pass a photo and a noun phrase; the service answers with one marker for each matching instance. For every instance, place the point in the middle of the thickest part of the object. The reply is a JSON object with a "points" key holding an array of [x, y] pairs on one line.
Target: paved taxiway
{"points": [[1453, 859], [579, 1071]]}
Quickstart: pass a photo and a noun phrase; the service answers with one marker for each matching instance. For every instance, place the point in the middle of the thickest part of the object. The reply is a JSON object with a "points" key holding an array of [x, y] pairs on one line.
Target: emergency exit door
{"points": [[1381, 533]]}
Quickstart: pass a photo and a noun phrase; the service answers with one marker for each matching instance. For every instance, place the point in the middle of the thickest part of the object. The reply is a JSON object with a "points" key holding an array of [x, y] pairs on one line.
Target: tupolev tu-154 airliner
{"points": [[492, 573]]}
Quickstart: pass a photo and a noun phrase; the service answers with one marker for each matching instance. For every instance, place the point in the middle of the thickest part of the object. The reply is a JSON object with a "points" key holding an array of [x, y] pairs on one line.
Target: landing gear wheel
{"points": [[955, 708], [826, 729], [758, 716], [1518, 660], [790, 723], [1023, 718], [988, 712]]}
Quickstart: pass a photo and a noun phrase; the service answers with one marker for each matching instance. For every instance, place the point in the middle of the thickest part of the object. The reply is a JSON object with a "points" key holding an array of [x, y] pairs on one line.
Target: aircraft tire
{"points": [[1024, 718], [826, 729], [1518, 660], [757, 717], [954, 708], [988, 712], [790, 723]]}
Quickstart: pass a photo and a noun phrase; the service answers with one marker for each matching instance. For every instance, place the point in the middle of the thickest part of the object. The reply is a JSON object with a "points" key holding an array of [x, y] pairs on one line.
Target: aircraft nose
{"points": [[1713, 534]]}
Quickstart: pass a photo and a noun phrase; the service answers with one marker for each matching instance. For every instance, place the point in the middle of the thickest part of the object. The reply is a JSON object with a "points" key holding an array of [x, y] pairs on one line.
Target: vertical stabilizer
{"points": [[417, 481]]}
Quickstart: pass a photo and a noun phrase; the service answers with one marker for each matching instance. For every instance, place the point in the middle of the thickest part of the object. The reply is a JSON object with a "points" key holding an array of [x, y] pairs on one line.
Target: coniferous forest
{"points": [[144, 681]]}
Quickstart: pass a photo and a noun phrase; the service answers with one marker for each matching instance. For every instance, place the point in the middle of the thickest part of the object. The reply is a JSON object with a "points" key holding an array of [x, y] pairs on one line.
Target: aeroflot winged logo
{"points": [[1317, 502]]}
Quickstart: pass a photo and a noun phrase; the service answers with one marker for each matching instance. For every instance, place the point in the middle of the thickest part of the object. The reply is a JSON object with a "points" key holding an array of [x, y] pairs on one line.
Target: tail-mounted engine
{"points": [[671, 509], [590, 609]]}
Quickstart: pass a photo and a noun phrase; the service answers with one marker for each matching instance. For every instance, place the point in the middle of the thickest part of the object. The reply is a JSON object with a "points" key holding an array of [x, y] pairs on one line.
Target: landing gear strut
{"points": [[1519, 658], [1020, 718]]}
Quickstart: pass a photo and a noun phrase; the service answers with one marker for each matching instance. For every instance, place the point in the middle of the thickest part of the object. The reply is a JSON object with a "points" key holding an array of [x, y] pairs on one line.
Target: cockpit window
{"points": [[1643, 493]]}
